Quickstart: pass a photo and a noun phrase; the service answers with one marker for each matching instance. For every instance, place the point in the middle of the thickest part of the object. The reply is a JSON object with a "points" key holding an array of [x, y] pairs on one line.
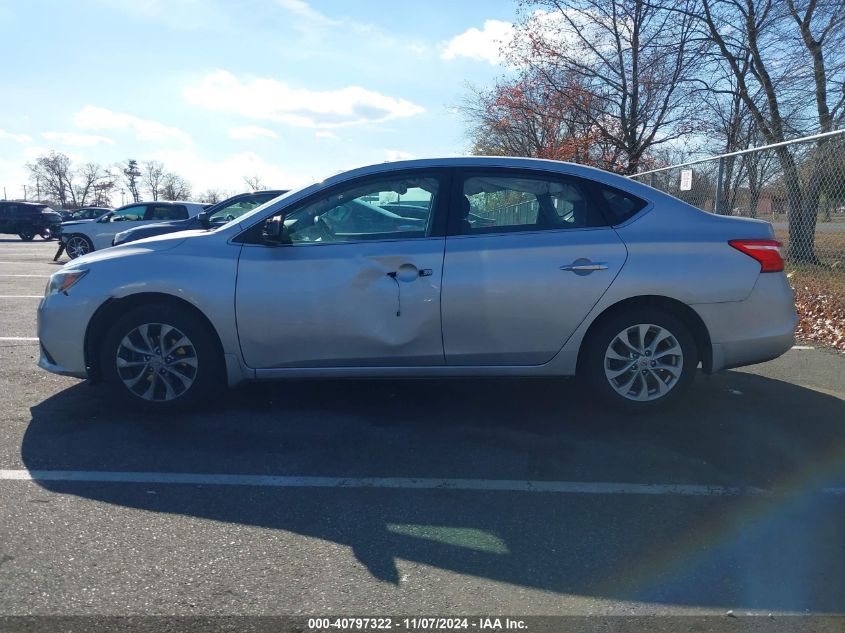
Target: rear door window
{"points": [[502, 201], [163, 212]]}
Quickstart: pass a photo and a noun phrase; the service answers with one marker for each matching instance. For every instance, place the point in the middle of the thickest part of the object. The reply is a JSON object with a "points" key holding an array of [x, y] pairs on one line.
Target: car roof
{"points": [[512, 162], [162, 202], [25, 202]]}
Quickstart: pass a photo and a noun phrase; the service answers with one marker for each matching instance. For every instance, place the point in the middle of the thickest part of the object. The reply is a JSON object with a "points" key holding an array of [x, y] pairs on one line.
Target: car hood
{"points": [[168, 224], [132, 249], [75, 222]]}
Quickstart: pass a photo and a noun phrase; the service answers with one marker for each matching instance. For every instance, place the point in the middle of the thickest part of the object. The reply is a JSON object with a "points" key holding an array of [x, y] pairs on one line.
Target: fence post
{"points": [[717, 204]]}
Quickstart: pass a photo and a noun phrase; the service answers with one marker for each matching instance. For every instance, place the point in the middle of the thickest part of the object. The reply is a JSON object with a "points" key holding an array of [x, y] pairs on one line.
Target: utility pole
{"points": [[24, 193], [37, 189]]}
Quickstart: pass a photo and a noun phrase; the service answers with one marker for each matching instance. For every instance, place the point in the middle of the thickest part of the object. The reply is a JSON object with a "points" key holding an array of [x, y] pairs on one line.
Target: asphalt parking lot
{"points": [[416, 497]]}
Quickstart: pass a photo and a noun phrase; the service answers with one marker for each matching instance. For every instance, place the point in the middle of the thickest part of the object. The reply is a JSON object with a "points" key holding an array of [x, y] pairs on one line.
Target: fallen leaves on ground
{"points": [[821, 316]]}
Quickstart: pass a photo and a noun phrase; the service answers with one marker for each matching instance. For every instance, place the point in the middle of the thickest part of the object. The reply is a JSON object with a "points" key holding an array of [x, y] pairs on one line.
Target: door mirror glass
{"points": [[203, 217]]}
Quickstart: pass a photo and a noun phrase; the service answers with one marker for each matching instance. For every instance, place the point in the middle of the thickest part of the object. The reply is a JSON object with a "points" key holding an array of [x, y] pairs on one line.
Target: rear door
{"points": [[527, 257]]}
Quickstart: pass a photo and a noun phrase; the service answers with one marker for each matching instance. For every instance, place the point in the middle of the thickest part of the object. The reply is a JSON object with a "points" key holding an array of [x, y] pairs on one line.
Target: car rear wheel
{"points": [[162, 358], [640, 359], [27, 235], [77, 246]]}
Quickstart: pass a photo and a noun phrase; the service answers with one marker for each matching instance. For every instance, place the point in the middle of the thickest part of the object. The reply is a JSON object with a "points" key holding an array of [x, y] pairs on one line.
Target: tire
{"points": [[77, 245], [160, 379], [27, 235], [666, 362], [46, 235]]}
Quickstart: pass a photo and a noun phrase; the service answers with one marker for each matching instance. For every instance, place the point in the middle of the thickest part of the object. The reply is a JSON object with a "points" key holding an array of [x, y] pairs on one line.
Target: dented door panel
{"points": [[340, 305]]}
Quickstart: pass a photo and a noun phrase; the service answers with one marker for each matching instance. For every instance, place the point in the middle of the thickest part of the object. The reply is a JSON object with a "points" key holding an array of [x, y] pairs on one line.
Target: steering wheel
{"points": [[324, 225]]}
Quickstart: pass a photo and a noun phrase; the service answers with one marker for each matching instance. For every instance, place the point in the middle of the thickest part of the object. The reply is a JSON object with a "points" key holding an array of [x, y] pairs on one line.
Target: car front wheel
{"points": [[27, 235], [640, 359], [77, 246], [162, 357]]}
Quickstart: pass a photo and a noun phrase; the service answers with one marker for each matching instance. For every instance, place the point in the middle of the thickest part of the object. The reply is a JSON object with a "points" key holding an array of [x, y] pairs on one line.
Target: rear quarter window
{"points": [[619, 206]]}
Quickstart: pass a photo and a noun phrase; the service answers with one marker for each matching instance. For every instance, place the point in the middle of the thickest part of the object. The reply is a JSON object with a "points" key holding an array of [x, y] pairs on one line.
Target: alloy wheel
{"points": [[156, 362], [77, 246], [643, 362]]}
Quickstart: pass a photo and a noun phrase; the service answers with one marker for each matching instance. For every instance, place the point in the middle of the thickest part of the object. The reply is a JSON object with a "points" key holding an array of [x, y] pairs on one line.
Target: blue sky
{"points": [[290, 90]]}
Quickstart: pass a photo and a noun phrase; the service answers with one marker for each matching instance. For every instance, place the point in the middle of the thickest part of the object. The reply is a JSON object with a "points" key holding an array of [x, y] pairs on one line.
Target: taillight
{"points": [[767, 252]]}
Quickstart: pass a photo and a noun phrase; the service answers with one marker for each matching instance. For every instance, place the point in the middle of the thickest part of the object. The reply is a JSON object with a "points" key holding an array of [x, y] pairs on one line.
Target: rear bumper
{"points": [[760, 328]]}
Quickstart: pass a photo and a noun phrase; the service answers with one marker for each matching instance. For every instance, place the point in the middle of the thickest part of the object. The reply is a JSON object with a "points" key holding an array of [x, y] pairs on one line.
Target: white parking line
{"points": [[21, 296], [35, 276], [293, 481], [19, 338]]}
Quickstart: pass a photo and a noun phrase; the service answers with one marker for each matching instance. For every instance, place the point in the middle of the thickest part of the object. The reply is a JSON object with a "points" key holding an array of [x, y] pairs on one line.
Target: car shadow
{"points": [[783, 551]]}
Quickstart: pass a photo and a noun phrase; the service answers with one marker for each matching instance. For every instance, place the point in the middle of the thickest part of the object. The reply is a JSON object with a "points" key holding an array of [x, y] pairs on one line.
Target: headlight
{"points": [[63, 281]]}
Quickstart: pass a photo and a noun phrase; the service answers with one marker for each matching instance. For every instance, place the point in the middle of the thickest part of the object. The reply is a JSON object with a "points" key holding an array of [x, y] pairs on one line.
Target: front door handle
{"points": [[409, 272], [584, 266]]}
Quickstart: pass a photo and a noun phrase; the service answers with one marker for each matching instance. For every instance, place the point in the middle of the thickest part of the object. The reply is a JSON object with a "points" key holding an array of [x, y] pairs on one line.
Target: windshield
{"points": [[255, 210]]}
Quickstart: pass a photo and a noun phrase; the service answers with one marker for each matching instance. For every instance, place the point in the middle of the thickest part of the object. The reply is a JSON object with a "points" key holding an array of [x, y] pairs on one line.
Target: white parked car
{"points": [[80, 237]]}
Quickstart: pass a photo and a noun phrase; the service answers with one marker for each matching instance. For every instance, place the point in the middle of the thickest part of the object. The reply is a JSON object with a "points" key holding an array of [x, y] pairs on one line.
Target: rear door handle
{"points": [[584, 267]]}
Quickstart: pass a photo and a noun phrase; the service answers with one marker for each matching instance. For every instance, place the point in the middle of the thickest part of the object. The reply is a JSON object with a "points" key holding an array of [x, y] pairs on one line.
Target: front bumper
{"points": [[62, 322], [760, 328]]}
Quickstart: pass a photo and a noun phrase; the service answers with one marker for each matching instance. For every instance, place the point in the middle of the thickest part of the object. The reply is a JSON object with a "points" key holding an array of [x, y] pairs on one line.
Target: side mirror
{"points": [[205, 219], [274, 230]]}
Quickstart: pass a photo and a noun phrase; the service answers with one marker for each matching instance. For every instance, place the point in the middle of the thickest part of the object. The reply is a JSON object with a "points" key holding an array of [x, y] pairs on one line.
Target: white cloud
{"points": [[312, 22], [95, 118], [482, 45], [397, 154], [417, 49], [305, 10], [272, 100], [250, 132], [326, 134], [18, 138], [72, 138]]}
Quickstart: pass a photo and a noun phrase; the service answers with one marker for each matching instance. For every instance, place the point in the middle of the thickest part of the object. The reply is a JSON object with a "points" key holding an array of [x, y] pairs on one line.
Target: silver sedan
{"points": [[440, 267]]}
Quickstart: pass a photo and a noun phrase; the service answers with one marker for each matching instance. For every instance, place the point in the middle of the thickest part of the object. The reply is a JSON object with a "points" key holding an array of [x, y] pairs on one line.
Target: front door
{"points": [[358, 284], [527, 258]]}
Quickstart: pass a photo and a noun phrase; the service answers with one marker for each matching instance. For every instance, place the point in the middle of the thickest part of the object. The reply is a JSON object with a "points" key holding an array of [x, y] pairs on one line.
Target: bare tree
{"points": [[792, 50], [212, 196], [92, 182], [254, 182], [634, 58], [153, 174], [174, 187], [54, 175], [132, 173]]}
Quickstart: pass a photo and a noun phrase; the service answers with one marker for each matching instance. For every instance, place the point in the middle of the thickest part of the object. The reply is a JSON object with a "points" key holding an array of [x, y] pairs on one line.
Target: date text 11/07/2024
{"points": [[416, 624]]}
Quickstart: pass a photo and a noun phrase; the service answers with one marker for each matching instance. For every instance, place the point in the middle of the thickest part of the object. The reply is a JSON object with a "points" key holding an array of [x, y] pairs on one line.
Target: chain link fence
{"points": [[798, 186]]}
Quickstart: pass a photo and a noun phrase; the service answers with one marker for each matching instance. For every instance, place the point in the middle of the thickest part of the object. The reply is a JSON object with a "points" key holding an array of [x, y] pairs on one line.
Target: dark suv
{"points": [[28, 219]]}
